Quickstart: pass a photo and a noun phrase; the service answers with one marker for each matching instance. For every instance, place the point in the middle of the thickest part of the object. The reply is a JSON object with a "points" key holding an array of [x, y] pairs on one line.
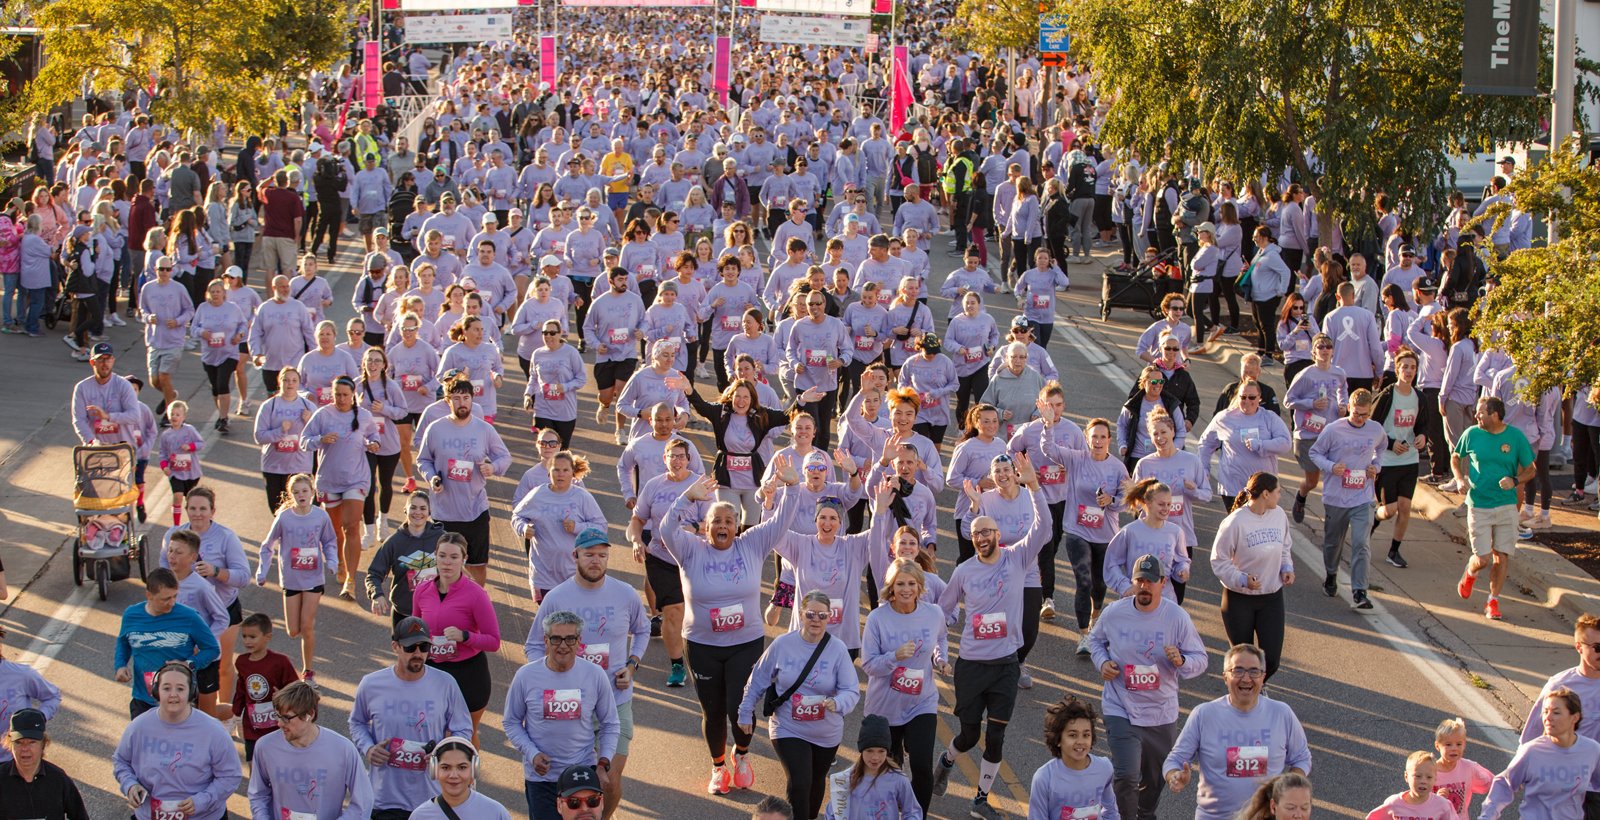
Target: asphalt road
{"points": [[1368, 687]]}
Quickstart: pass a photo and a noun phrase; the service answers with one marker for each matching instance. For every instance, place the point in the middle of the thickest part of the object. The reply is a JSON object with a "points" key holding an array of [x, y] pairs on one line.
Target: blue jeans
{"points": [[37, 299], [541, 798], [11, 297]]}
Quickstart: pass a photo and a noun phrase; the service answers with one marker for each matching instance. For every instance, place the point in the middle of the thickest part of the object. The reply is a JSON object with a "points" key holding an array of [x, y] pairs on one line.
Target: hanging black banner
{"points": [[1500, 47]]}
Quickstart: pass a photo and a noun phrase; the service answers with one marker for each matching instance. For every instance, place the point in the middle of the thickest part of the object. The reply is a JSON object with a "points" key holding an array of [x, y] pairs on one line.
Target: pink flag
{"points": [[372, 77], [720, 67], [899, 89], [547, 59]]}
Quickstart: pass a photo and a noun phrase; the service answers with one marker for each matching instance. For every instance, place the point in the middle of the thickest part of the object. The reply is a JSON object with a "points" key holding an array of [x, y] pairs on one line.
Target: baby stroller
{"points": [[1144, 288], [103, 498]]}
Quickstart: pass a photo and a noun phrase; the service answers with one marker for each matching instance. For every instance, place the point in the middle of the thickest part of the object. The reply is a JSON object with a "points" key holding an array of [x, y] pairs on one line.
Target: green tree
{"points": [[992, 25], [1542, 313], [1353, 96], [210, 59]]}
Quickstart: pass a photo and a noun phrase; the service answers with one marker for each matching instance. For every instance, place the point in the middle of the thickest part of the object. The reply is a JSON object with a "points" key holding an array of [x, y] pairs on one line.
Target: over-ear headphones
{"points": [[188, 673], [452, 742]]}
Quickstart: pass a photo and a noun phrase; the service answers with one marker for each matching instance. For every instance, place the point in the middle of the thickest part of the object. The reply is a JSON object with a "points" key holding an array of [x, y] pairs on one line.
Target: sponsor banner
{"points": [[815, 31], [372, 76], [1500, 47], [857, 8], [453, 5], [458, 28], [721, 68]]}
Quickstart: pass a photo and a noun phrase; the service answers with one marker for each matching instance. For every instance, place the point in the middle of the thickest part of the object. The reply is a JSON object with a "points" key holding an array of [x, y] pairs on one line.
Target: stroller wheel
{"points": [[77, 562], [139, 550], [102, 578]]}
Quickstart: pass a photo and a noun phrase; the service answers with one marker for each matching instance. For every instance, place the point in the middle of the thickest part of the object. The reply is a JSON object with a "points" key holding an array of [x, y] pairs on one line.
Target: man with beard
{"points": [[398, 712], [613, 326], [991, 633], [615, 634], [1143, 645], [458, 455]]}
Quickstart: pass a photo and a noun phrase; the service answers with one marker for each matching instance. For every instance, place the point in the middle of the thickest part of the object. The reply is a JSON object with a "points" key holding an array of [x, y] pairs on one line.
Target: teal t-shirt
{"points": [[1491, 457]]}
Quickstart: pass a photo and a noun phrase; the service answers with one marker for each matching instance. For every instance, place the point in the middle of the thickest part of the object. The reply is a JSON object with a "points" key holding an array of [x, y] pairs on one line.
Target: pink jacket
{"points": [[466, 607], [10, 245]]}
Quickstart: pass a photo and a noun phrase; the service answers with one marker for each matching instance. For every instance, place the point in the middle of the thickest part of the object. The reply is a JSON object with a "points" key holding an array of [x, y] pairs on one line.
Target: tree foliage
{"points": [[991, 25], [209, 59], [1543, 312], [1354, 96]]}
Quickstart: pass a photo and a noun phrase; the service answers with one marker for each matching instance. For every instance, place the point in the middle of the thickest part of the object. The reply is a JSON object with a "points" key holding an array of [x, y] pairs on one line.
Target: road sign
{"points": [[1053, 35], [1053, 60]]}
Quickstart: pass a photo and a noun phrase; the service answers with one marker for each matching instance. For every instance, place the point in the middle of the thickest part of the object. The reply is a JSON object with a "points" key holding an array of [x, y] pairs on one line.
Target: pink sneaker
{"points": [[743, 776], [721, 781]]}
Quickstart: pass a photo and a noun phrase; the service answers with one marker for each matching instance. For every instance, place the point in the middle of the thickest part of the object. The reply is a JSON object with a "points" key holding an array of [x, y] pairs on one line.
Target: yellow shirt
{"points": [[613, 164]]}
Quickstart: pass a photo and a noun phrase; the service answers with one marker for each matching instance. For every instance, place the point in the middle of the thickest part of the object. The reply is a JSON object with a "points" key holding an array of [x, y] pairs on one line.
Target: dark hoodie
{"points": [[402, 555], [245, 169]]}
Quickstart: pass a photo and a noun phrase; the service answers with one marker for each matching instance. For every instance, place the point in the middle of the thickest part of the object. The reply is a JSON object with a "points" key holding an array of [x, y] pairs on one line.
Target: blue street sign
{"points": [[1053, 35]]}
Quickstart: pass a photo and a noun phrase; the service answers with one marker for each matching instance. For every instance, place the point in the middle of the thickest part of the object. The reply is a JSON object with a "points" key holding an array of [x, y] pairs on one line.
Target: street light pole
{"points": [[1565, 80]]}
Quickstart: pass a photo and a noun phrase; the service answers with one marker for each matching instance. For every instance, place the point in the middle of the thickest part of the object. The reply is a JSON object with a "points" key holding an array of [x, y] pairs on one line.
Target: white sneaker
{"points": [[1083, 644], [1540, 521], [1450, 487], [1591, 488], [115, 321]]}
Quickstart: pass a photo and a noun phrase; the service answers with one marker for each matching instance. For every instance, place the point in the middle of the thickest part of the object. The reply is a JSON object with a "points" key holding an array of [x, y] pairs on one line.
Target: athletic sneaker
{"points": [[941, 775], [721, 782], [1394, 559], [1299, 509], [310, 679], [677, 676], [1358, 600], [743, 776], [81, 355], [1330, 586], [115, 321], [1576, 498], [1540, 520], [1083, 645], [1524, 532], [1464, 586], [1024, 680], [139, 510], [1047, 610], [222, 426], [411, 485], [1491, 610], [1451, 486], [655, 626], [982, 810]]}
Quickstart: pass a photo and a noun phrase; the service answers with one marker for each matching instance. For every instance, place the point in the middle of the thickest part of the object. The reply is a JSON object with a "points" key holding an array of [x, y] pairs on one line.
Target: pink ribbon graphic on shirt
{"points": [[176, 756]]}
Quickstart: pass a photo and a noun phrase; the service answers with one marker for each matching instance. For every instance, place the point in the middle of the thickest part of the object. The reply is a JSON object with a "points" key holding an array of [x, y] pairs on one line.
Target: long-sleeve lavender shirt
{"points": [[568, 716], [192, 759], [1058, 791], [1182, 466], [323, 780], [613, 324], [814, 346], [615, 626], [1249, 442], [1247, 544], [1236, 751], [556, 377], [304, 546], [1552, 780], [282, 332], [1357, 342], [541, 516], [1357, 448], [901, 689], [454, 452], [218, 329], [1313, 384], [1456, 384], [992, 592], [804, 716], [723, 586], [1145, 692], [119, 404], [220, 548], [281, 453], [403, 716], [343, 467], [162, 303], [935, 381]]}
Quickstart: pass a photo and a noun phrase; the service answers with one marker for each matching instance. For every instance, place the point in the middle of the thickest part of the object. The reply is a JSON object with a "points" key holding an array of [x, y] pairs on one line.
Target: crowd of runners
{"points": [[742, 288]]}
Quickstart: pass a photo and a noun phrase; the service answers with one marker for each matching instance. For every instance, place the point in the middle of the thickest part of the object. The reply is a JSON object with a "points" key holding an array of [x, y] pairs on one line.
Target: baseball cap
{"points": [[852, 218], [233, 272], [411, 631], [440, 169], [315, 147], [490, 218], [1425, 285], [1019, 322], [1508, 160], [514, 212], [577, 778], [101, 349], [550, 260], [27, 723], [377, 260], [381, 230], [1205, 227], [1147, 568], [591, 537], [1407, 250]]}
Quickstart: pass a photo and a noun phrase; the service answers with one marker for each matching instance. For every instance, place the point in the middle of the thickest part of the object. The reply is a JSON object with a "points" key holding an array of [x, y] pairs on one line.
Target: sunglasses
{"points": [[1170, 349], [817, 616], [1156, 382], [550, 333], [1324, 347], [550, 443], [593, 801]]}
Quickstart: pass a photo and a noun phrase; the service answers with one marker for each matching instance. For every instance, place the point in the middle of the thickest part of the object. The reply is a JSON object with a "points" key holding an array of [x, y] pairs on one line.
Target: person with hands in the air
{"points": [[1347, 450], [457, 457], [560, 712], [1141, 675], [1238, 741], [174, 762]]}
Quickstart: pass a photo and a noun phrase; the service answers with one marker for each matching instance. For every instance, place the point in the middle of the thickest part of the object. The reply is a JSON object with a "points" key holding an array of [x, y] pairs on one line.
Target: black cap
{"points": [[576, 779], [102, 349], [27, 723], [1147, 568], [411, 631], [1508, 159], [874, 733], [1407, 250], [1425, 285]]}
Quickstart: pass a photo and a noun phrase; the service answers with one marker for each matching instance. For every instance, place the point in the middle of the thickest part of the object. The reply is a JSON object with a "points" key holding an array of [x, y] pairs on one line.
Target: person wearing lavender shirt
{"points": [[616, 633], [1143, 645], [979, 449], [556, 374], [642, 460], [1038, 358], [1036, 294], [105, 407], [560, 712], [455, 769], [479, 360], [1584, 681], [761, 347], [551, 517], [1148, 347], [195, 592], [1316, 396], [725, 304], [1180, 470], [282, 332], [541, 305], [826, 561], [166, 310], [613, 326], [1348, 450], [879, 267], [817, 347], [457, 457], [989, 591], [663, 583], [1150, 533], [1357, 340], [658, 384], [808, 726], [933, 376], [494, 281], [903, 644], [969, 278], [721, 574], [672, 321], [310, 290], [1551, 770], [1237, 742], [325, 363], [22, 687], [303, 769], [174, 760], [1073, 783], [1250, 440]]}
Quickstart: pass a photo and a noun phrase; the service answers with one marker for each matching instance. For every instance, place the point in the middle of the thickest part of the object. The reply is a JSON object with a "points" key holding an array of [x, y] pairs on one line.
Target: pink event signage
{"points": [[640, 3], [547, 59], [883, 7], [899, 88], [371, 77], [720, 65]]}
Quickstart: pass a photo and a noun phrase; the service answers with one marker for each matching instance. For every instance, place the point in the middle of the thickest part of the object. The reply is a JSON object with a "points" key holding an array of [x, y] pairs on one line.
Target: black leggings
{"points": [[1224, 286], [969, 389], [1180, 587], [917, 736], [221, 376], [822, 412], [1255, 619], [1438, 448], [1047, 554], [1585, 452], [562, 428], [1088, 576], [1266, 316], [583, 287], [1022, 256], [806, 764], [1032, 597], [719, 358], [720, 674], [275, 483], [1202, 303], [1125, 233], [1540, 483], [381, 468], [934, 432]]}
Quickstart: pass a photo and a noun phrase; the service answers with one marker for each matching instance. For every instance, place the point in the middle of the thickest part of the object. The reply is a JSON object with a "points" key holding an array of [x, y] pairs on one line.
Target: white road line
{"points": [[58, 629], [1464, 698]]}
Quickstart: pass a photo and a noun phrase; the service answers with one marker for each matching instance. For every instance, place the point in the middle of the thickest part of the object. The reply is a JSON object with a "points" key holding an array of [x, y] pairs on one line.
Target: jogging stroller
{"points": [[103, 498], [1142, 289]]}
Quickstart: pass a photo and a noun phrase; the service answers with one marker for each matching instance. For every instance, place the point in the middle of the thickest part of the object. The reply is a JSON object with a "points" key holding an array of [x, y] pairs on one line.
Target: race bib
{"points": [[972, 354], [1039, 300], [727, 618], [866, 343], [305, 558], [907, 681], [377, 425], [287, 444], [930, 401], [1405, 418], [1140, 678], [552, 390], [1052, 474], [563, 704], [410, 381], [807, 707], [988, 626], [618, 335], [216, 339], [910, 345], [1080, 812], [647, 271], [1247, 761], [1302, 344], [818, 358], [1355, 479], [598, 654], [182, 461], [441, 649], [1250, 433], [163, 810], [262, 715], [835, 611], [324, 395], [558, 248], [459, 470], [477, 387], [739, 463], [1176, 506], [1091, 516], [106, 427], [731, 322], [407, 754], [285, 814], [1315, 423]]}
